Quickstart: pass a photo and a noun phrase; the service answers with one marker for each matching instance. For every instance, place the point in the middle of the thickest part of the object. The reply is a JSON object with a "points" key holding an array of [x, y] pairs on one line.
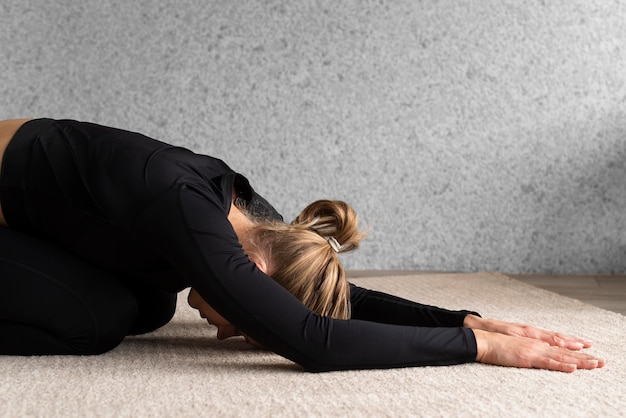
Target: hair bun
{"points": [[335, 221]]}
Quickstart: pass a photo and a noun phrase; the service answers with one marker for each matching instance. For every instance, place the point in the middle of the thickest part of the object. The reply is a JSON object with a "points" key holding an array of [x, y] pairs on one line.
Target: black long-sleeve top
{"points": [[158, 213]]}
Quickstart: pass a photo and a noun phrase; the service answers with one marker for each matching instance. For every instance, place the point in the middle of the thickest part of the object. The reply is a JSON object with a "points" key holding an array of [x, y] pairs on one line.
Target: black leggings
{"points": [[53, 303]]}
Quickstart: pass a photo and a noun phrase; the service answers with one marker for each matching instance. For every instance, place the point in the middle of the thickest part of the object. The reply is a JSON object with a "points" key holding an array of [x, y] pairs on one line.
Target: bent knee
{"points": [[151, 318]]}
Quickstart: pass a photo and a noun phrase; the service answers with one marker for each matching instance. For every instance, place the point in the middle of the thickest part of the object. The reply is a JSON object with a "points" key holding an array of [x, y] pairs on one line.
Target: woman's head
{"points": [[303, 256]]}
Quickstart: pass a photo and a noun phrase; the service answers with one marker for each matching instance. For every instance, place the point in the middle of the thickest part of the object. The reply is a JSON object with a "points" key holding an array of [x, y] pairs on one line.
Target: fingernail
{"points": [[592, 362], [572, 366], [579, 345]]}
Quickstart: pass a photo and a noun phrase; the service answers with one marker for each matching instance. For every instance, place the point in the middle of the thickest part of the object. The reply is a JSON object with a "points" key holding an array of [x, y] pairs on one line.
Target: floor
{"points": [[606, 292]]}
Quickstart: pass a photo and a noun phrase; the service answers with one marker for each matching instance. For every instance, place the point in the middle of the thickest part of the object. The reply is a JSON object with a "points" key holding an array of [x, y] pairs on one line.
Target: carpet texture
{"points": [[182, 370]]}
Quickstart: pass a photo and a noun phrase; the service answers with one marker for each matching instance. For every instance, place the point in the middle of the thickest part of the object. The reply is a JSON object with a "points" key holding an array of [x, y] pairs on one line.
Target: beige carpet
{"points": [[182, 370]]}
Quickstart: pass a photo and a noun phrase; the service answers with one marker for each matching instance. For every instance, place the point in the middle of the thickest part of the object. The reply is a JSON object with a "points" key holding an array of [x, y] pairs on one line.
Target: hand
{"points": [[526, 331], [505, 350]]}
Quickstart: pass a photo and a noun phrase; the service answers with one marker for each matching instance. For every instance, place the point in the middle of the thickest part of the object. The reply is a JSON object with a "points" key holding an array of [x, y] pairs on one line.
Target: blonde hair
{"points": [[303, 256]]}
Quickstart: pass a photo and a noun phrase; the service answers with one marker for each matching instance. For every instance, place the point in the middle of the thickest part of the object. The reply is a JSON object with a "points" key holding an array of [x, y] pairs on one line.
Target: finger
{"points": [[563, 360], [591, 364], [579, 341], [555, 365], [571, 343], [580, 360], [563, 342]]}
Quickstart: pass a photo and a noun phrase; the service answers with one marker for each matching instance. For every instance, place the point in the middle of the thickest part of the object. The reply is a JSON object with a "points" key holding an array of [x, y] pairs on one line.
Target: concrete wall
{"points": [[469, 135]]}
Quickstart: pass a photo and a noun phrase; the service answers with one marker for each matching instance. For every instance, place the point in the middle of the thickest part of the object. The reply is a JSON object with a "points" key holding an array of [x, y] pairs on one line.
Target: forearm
{"points": [[371, 305]]}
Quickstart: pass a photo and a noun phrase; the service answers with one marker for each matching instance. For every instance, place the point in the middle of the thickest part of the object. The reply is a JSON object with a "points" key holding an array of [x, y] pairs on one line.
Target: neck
{"points": [[240, 222], [243, 225]]}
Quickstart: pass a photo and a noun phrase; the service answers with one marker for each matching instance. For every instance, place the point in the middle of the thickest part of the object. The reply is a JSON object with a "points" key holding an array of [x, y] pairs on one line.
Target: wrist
{"points": [[473, 321], [482, 342], [491, 325]]}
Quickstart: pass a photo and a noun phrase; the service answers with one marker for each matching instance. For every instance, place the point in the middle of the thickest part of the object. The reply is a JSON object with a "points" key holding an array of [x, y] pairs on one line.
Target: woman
{"points": [[102, 227]]}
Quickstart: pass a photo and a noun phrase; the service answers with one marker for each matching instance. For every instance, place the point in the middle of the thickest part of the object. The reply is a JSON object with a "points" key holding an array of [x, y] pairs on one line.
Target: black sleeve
{"points": [[187, 225], [372, 305]]}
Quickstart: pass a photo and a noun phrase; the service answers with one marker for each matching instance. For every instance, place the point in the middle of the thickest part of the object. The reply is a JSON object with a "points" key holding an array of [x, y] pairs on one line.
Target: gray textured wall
{"points": [[469, 135]]}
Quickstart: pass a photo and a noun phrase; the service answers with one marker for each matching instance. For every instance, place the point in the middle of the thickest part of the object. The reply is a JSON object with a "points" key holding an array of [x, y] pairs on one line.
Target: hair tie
{"points": [[334, 244]]}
